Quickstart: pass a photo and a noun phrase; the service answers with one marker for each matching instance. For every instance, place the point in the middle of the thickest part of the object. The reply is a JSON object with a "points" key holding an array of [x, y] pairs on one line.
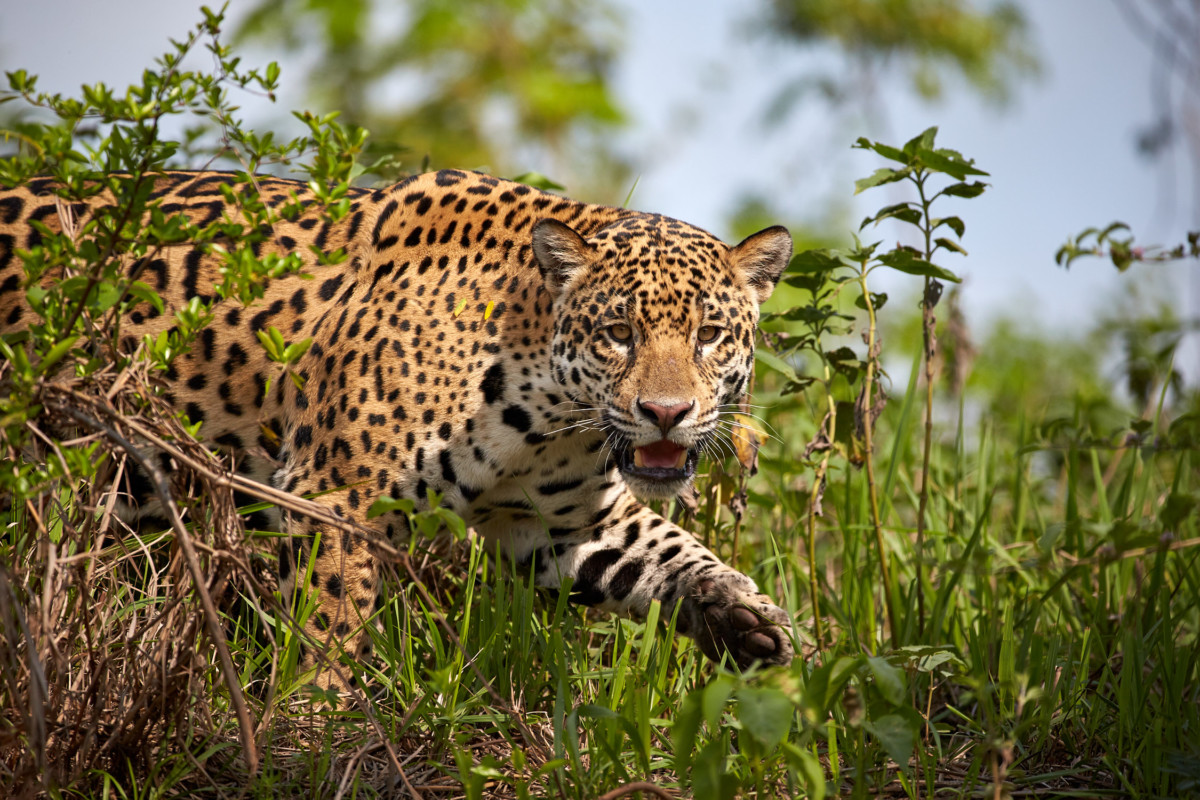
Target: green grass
{"points": [[1057, 652]]}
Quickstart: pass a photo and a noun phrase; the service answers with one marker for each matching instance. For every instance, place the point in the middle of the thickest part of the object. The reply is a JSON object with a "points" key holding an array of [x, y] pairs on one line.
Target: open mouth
{"points": [[659, 461]]}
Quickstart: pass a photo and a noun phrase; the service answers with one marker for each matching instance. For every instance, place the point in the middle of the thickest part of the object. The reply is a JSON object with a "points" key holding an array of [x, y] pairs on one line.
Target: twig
{"points": [[829, 425], [929, 339], [872, 492], [211, 618], [637, 786]]}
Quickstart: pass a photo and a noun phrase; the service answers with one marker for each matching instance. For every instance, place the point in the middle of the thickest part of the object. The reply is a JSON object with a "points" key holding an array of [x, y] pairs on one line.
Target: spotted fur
{"points": [[536, 360]]}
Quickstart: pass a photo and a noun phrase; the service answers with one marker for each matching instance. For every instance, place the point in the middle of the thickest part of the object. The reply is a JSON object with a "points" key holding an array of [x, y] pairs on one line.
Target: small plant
{"points": [[824, 274]]}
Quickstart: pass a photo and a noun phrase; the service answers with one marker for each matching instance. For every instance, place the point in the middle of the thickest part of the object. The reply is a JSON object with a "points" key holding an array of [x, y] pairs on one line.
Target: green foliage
{"points": [[1120, 248], [930, 38], [85, 275], [429, 522], [493, 84]]}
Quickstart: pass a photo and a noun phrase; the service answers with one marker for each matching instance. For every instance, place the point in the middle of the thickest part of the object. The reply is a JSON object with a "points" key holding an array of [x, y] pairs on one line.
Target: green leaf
{"points": [[269, 345], [954, 223], [539, 181], [810, 283], [145, 294], [896, 734], [35, 295], [56, 353], [18, 358], [387, 504], [879, 177], [949, 244], [1109, 230], [878, 299], [809, 261], [861, 252], [683, 732], [811, 315], [931, 659], [948, 162], [766, 714], [710, 781], [887, 151], [775, 363], [294, 351], [901, 211], [810, 770], [1178, 507], [904, 261], [922, 141], [965, 189], [716, 694], [888, 679], [453, 522], [107, 296]]}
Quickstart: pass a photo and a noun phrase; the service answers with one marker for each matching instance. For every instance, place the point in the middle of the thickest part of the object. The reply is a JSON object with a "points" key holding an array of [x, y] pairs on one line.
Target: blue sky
{"points": [[1061, 154]]}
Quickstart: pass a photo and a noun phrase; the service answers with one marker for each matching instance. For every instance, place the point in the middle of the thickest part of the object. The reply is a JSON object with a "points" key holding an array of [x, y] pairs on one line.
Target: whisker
{"points": [[770, 429], [587, 424], [729, 425], [607, 448]]}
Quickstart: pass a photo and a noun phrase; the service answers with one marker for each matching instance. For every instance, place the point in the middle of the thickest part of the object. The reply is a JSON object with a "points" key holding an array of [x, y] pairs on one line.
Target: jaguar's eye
{"points": [[620, 332], [708, 333]]}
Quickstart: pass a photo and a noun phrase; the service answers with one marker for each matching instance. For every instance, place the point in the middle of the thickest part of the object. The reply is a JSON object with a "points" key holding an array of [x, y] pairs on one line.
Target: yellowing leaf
{"points": [[487, 312], [270, 435], [458, 309], [746, 440]]}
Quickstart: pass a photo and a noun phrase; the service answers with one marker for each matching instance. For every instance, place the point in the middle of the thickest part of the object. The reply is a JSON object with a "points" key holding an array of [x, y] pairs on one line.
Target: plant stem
{"points": [[814, 508], [872, 493], [929, 342]]}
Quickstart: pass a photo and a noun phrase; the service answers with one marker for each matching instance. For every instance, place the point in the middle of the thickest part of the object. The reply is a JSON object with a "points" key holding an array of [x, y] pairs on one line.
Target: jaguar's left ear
{"points": [[560, 253], [761, 258]]}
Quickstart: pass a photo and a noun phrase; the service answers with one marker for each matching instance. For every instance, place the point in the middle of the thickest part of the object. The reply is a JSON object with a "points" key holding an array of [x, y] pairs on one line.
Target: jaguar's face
{"points": [[654, 335]]}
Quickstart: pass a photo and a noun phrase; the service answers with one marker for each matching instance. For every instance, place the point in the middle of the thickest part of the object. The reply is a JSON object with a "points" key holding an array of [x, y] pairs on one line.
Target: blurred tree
{"points": [[1172, 32], [498, 84], [932, 39], [511, 85]]}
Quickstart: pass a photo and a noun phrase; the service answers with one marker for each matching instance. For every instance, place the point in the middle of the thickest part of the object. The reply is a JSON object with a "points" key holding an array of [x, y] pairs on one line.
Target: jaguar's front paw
{"points": [[722, 616]]}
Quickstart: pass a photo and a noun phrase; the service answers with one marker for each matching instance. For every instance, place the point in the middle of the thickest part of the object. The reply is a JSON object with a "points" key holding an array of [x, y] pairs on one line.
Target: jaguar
{"points": [[542, 364]]}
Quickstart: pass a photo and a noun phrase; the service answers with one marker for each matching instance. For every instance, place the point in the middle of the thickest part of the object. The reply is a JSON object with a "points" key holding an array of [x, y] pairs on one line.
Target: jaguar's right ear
{"points": [[560, 252]]}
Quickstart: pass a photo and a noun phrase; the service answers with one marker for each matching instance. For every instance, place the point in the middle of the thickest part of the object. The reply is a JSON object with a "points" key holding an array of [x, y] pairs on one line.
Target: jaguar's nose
{"points": [[665, 417]]}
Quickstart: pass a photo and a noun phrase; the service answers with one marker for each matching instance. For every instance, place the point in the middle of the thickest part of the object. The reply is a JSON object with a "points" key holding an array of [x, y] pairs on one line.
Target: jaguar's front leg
{"points": [[341, 570], [635, 556]]}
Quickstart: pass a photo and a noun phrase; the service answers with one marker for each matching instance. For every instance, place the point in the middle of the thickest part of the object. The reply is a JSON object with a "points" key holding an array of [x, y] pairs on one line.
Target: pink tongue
{"points": [[662, 453]]}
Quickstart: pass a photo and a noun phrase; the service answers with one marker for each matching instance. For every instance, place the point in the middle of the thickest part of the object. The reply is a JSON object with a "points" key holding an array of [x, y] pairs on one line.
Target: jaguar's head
{"points": [[654, 334]]}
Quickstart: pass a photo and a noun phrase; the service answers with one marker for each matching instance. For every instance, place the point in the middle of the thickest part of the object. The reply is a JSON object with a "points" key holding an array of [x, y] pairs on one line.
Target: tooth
{"points": [[638, 459], [682, 460]]}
